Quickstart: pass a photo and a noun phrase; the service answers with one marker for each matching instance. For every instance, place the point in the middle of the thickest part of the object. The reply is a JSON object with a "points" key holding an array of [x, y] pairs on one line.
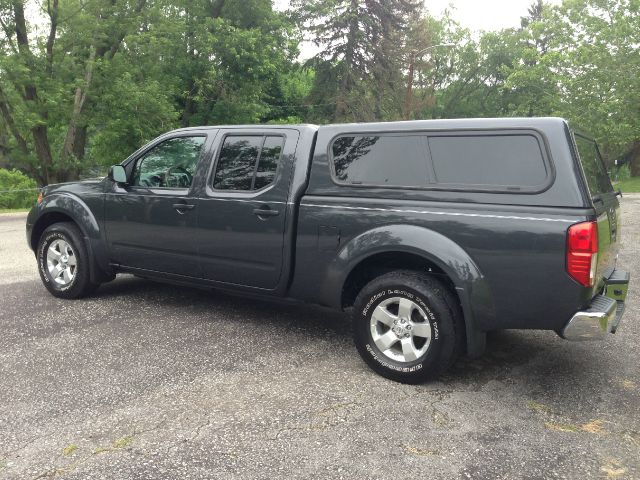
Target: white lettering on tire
{"points": [[414, 368]]}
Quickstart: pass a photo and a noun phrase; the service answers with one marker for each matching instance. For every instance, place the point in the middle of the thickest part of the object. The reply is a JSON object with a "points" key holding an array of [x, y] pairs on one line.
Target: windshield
{"points": [[593, 166]]}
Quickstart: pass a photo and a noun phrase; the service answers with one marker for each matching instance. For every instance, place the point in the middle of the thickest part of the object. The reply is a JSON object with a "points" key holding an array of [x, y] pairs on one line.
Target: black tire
{"points": [[81, 284], [440, 308]]}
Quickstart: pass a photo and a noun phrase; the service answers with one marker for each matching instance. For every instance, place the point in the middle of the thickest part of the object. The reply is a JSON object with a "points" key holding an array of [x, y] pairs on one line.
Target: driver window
{"points": [[170, 164]]}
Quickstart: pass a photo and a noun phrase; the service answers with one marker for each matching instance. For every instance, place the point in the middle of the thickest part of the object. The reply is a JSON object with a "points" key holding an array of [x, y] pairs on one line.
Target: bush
{"points": [[16, 189], [621, 173]]}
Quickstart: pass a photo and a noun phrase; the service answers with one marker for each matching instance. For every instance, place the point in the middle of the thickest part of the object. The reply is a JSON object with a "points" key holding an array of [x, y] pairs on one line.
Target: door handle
{"points": [[183, 207], [265, 212]]}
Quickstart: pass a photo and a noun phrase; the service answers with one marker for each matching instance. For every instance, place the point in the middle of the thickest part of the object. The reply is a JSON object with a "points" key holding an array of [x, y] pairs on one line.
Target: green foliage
{"points": [[621, 173], [359, 56], [16, 190], [130, 114]]}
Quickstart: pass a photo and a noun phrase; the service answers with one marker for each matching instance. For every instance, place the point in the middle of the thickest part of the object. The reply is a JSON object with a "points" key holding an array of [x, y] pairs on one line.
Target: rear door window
{"points": [[247, 162], [268, 163]]}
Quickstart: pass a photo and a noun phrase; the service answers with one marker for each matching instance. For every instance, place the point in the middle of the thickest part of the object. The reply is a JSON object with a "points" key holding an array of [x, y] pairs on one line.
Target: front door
{"points": [[151, 223], [242, 213]]}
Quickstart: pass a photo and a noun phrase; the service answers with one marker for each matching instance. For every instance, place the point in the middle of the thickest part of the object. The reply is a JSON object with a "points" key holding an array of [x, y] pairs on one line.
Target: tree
{"points": [[600, 70], [360, 39], [35, 77], [98, 78], [111, 74]]}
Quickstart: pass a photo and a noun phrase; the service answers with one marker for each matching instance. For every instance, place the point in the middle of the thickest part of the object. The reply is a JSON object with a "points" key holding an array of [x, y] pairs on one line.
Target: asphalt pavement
{"points": [[151, 381]]}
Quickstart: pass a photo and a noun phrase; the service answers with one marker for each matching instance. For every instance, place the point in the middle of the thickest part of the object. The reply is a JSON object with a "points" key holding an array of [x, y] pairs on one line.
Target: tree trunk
{"points": [[52, 10], [634, 161], [43, 151], [30, 94], [68, 148], [8, 118], [81, 142]]}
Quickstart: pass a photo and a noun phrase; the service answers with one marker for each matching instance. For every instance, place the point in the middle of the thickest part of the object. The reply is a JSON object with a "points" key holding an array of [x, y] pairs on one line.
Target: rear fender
{"points": [[473, 290]]}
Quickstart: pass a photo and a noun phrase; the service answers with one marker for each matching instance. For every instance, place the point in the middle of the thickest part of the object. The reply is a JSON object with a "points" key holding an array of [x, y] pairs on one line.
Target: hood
{"points": [[94, 185]]}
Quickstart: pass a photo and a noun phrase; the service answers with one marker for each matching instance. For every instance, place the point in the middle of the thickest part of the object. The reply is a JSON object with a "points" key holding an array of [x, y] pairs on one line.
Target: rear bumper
{"points": [[603, 315]]}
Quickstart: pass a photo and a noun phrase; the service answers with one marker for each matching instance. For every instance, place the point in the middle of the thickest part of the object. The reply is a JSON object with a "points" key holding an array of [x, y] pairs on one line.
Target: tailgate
{"points": [[605, 202]]}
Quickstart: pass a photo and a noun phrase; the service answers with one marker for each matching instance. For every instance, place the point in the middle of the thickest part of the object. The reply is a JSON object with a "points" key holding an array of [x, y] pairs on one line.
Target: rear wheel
{"points": [[408, 326], [63, 261]]}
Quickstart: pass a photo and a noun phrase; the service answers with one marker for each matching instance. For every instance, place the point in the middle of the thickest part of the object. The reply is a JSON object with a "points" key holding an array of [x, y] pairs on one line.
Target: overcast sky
{"points": [[484, 14], [474, 14]]}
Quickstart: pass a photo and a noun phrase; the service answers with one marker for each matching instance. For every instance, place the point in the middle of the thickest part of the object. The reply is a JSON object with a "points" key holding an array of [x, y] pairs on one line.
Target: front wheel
{"points": [[63, 261], [407, 326]]}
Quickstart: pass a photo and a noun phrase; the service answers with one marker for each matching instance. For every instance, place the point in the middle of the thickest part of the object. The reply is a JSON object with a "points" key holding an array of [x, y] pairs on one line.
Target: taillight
{"points": [[582, 252]]}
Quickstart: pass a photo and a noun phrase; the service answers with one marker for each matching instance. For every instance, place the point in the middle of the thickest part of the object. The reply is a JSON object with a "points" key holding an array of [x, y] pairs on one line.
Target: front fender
{"points": [[57, 205], [473, 290]]}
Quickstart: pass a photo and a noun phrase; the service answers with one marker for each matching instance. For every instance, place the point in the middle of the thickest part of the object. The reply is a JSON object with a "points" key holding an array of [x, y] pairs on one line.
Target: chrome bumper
{"points": [[603, 315]]}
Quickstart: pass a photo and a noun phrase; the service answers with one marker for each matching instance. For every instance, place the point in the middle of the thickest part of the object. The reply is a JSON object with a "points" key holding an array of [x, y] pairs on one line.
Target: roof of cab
{"points": [[300, 126]]}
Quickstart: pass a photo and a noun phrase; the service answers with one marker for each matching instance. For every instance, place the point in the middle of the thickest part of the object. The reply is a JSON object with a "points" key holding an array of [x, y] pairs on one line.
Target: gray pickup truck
{"points": [[431, 233]]}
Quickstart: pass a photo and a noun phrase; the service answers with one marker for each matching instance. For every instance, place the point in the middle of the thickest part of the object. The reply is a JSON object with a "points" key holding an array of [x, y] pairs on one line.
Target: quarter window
{"points": [[248, 162], [170, 164]]}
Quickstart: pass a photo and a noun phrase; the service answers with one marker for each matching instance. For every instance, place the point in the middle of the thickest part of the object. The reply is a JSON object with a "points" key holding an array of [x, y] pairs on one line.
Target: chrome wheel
{"points": [[61, 262], [400, 329]]}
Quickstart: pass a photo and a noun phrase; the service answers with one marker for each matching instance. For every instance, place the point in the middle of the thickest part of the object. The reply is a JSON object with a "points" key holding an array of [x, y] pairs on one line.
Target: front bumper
{"points": [[603, 315]]}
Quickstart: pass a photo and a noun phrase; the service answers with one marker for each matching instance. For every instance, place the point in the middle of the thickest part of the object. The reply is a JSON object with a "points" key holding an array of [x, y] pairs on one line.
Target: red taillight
{"points": [[582, 252]]}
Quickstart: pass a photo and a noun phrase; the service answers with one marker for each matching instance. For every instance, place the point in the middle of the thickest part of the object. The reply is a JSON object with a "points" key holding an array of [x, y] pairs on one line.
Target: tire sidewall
{"points": [[437, 313], [51, 234]]}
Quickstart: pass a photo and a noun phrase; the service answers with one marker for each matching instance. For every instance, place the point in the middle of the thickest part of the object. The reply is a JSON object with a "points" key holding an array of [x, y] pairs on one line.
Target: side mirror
{"points": [[118, 174]]}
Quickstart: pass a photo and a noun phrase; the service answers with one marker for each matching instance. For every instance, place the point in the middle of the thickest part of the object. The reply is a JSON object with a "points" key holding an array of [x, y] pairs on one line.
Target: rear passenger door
{"points": [[242, 212]]}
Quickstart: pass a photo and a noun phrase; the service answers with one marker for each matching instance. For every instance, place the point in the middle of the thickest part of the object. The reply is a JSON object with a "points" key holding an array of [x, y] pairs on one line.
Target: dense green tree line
{"points": [[83, 83]]}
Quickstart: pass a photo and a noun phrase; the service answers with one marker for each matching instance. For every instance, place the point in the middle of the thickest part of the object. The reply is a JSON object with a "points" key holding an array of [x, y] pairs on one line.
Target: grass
{"points": [[539, 407], [562, 427], [630, 185], [14, 210], [116, 445], [70, 449], [123, 442]]}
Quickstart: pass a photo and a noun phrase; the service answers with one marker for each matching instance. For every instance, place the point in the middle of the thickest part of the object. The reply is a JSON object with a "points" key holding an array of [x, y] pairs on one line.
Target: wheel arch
{"points": [[382, 249], [45, 220], [65, 207]]}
